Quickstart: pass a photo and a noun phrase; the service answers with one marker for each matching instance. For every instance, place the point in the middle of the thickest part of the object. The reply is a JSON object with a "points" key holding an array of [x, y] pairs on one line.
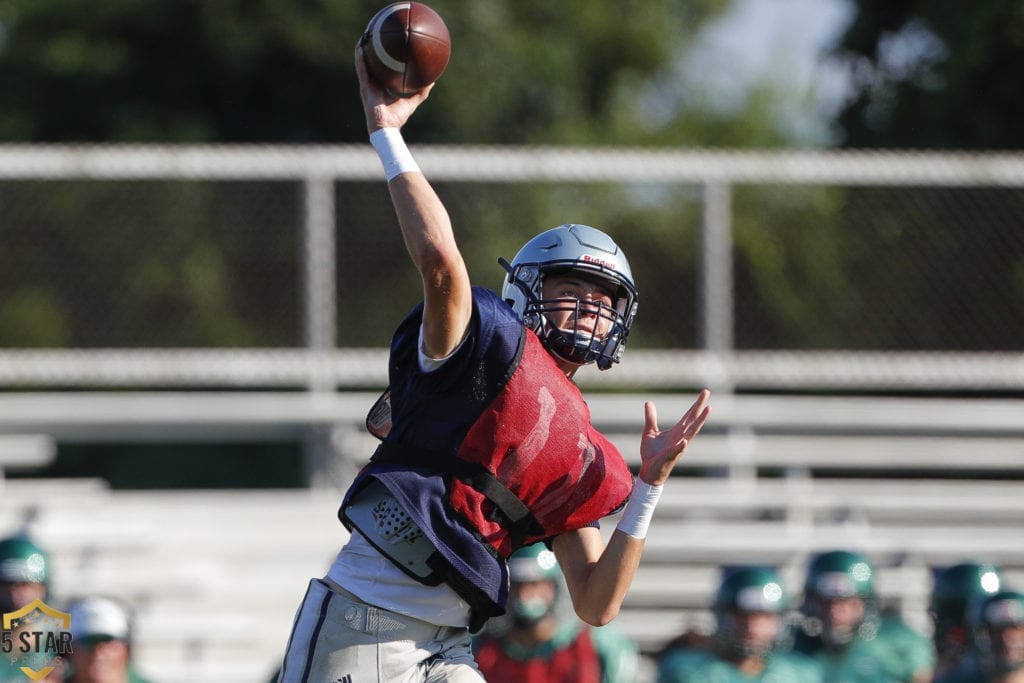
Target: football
{"points": [[406, 46]]}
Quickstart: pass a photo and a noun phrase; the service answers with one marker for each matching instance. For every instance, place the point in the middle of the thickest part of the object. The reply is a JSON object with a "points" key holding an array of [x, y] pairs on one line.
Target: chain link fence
{"points": [[755, 258]]}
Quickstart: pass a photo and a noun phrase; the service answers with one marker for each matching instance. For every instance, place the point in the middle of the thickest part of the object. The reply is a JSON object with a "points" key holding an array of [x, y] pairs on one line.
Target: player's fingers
{"points": [[701, 402], [416, 98], [359, 60], [693, 425], [698, 422], [650, 418], [698, 411]]}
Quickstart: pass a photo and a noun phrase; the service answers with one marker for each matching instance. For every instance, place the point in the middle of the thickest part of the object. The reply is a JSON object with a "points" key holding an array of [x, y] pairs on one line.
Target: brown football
{"points": [[406, 46]]}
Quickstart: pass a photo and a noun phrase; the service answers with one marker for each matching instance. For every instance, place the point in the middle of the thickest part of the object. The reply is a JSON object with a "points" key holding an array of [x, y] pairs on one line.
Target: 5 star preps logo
{"points": [[34, 637]]}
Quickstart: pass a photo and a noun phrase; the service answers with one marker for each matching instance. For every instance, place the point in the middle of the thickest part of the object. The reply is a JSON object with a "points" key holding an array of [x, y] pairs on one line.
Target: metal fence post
{"points": [[319, 298], [716, 304], [319, 313], [716, 309]]}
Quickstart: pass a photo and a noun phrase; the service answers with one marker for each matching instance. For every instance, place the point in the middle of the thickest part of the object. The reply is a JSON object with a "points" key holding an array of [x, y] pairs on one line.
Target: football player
{"points": [[538, 643], [749, 608], [954, 588], [487, 445], [843, 630], [997, 625]]}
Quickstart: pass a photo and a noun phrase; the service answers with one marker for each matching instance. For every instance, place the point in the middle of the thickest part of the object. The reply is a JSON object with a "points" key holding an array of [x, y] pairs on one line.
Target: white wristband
{"points": [[639, 510], [393, 153]]}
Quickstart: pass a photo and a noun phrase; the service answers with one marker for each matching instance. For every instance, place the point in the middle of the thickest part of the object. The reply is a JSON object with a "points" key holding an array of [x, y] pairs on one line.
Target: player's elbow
{"points": [[439, 268], [598, 617]]}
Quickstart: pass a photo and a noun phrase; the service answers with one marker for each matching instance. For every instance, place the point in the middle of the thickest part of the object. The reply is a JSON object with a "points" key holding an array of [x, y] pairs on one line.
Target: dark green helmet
{"points": [[751, 589], [840, 574], [533, 563], [745, 591], [1002, 608], [953, 590], [21, 560], [998, 610], [527, 606]]}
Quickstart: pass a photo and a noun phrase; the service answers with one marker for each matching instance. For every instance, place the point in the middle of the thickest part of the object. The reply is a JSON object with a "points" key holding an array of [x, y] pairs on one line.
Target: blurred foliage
{"points": [[943, 76], [522, 71], [148, 264], [217, 264], [183, 264], [935, 75]]}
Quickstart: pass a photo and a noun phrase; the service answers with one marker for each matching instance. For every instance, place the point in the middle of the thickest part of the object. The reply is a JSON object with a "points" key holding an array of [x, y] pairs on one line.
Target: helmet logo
{"points": [[601, 262]]}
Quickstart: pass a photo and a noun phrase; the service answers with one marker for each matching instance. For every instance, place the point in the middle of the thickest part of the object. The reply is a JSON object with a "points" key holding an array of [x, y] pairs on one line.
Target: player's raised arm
{"points": [[426, 225], [599, 576]]}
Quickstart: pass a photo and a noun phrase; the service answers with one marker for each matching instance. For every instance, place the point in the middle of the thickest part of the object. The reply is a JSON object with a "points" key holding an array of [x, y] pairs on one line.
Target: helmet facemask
{"points": [[839, 599], [576, 342], [534, 585], [749, 606], [591, 255], [837, 636], [741, 642], [528, 611]]}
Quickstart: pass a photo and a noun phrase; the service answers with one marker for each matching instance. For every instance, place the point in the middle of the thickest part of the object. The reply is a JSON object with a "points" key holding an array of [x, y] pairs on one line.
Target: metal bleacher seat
{"points": [[215, 576]]}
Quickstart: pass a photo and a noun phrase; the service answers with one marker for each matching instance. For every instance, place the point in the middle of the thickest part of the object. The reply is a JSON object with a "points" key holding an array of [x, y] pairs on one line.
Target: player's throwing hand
{"points": [[659, 450]]}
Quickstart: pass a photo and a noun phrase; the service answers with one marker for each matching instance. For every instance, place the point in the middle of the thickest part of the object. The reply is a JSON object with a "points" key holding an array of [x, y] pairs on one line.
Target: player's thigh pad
{"points": [[335, 636]]}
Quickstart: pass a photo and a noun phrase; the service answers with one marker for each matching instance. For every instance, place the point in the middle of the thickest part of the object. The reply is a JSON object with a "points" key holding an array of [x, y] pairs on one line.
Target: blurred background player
{"points": [[954, 588], [24, 577], [101, 637], [997, 638], [843, 630], [749, 605], [24, 573], [537, 643]]}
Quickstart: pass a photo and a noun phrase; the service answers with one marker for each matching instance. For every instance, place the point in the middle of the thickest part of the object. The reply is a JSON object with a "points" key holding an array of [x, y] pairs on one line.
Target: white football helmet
{"points": [[573, 247]]}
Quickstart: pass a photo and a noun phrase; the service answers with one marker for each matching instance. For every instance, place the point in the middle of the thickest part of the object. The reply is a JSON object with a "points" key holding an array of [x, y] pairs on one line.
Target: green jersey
{"points": [[700, 666], [895, 654], [11, 673]]}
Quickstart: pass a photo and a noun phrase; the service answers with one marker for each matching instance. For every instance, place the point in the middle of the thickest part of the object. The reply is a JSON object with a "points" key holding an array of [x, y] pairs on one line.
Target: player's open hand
{"points": [[659, 450], [382, 109]]}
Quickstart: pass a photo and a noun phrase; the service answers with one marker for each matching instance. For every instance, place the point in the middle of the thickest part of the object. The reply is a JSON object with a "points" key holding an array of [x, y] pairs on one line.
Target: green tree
{"points": [[522, 71], [936, 75], [939, 76], [181, 265]]}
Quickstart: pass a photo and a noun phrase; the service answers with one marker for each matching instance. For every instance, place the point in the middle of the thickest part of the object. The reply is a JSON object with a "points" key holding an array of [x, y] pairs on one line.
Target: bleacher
{"points": [[215, 576]]}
